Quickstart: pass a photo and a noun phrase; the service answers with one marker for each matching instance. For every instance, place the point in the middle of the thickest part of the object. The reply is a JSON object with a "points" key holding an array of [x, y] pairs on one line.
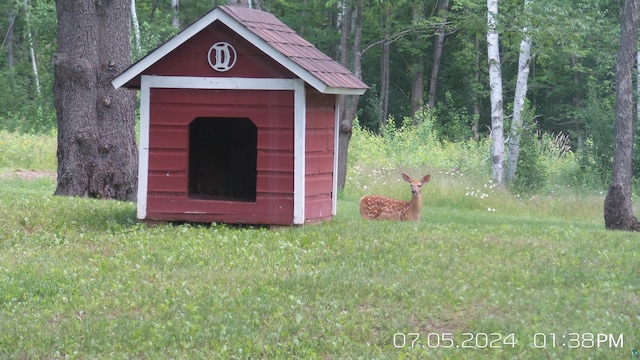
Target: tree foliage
{"points": [[574, 47]]}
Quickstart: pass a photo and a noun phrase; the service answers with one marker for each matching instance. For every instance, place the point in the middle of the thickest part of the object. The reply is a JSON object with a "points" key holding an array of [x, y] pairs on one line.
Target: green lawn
{"points": [[83, 279]]}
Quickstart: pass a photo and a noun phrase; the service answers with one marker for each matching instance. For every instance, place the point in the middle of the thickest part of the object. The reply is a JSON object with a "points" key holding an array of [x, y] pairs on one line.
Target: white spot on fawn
{"points": [[381, 207]]}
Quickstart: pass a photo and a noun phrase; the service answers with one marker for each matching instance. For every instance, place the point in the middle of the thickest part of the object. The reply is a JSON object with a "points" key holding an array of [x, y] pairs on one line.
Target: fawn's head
{"points": [[416, 185]]}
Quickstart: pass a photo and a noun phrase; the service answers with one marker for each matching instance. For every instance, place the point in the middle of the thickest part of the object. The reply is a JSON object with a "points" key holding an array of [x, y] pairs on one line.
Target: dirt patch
{"points": [[29, 174]]}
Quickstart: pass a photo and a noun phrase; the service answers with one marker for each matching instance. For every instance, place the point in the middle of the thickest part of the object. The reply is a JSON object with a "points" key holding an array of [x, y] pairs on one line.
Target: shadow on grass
{"points": [[88, 214], [31, 203]]}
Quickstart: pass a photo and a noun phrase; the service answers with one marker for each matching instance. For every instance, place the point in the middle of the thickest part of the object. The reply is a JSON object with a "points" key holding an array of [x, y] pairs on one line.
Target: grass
{"points": [[19, 151], [82, 279]]}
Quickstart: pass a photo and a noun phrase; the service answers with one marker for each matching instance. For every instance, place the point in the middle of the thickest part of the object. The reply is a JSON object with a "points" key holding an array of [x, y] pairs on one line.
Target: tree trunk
{"points": [[495, 83], [175, 19], [11, 19], [345, 30], [34, 64], [417, 87], [154, 7], [251, 4], [518, 105], [437, 53], [417, 69], [384, 67], [638, 88], [352, 105], [475, 128], [97, 153], [577, 102], [346, 122], [136, 27], [618, 213]]}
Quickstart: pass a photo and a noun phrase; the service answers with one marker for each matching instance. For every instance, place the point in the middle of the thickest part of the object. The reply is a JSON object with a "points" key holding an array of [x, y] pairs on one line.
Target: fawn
{"points": [[382, 207]]}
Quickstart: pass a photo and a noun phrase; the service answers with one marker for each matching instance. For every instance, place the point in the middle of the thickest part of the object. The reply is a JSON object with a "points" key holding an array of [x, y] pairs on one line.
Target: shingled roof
{"points": [[271, 36]]}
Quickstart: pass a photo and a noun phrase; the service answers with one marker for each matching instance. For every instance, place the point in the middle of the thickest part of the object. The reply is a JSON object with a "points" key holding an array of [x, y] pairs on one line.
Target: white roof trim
{"points": [[208, 19], [198, 82], [343, 91], [164, 49]]}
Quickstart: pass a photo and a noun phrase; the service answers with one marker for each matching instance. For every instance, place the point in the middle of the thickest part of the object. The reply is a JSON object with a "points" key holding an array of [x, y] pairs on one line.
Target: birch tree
{"points": [[175, 19], [495, 83], [136, 27], [252, 4], [32, 52], [519, 102], [618, 213]]}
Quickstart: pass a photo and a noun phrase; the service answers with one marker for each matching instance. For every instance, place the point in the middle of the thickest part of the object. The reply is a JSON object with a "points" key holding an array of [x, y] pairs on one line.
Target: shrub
{"points": [[531, 175], [547, 162], [455, 123], [595, 158], [377, 160], [594, 163]]}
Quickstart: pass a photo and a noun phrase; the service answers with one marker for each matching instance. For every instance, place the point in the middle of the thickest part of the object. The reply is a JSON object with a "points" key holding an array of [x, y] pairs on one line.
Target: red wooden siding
{"points": [[209, 149], [190, 58], [319, 156], [172, 110]]}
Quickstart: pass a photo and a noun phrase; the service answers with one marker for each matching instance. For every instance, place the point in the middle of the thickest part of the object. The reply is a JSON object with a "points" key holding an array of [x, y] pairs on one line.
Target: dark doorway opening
{"points": [[222, 159]]}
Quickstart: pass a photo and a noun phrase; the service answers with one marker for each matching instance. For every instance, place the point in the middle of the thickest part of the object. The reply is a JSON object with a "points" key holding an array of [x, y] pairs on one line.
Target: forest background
{"points": [[571, 90]]}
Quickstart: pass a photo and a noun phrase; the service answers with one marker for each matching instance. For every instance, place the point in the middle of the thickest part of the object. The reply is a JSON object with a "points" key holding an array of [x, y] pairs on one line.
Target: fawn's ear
{"points": [[426, 179], [406, 177]]}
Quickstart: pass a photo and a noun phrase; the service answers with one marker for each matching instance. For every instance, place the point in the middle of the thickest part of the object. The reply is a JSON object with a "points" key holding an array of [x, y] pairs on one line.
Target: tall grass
{"points": [[22, 151], [461, 171], [419, 148]]}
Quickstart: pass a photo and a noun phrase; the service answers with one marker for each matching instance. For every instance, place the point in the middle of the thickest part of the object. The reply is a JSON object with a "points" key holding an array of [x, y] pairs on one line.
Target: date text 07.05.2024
{"points": [[480, 340]]}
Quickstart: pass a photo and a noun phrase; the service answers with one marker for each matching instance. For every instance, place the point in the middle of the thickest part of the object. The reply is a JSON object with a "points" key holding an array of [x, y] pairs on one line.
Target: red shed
{"points": [[238, 123]]}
